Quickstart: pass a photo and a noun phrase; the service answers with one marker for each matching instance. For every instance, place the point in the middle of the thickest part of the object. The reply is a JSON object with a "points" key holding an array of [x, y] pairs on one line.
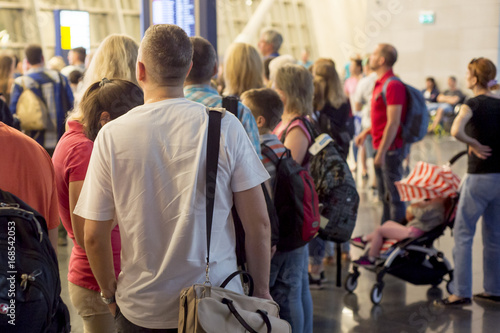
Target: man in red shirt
{"points": [[386, 116], [26, 171]]}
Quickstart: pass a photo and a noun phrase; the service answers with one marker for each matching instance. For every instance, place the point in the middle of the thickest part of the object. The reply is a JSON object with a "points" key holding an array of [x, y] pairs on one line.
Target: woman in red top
{"points": [[102, 102]]}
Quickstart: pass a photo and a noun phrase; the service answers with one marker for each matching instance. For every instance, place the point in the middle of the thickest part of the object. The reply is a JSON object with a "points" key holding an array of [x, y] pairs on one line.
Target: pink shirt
{"points": [[71, 159], [282, 127]]}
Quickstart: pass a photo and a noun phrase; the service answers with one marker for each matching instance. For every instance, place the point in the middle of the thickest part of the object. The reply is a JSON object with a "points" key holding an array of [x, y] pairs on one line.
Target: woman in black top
{"points": [[477, 125], [331, 106]]}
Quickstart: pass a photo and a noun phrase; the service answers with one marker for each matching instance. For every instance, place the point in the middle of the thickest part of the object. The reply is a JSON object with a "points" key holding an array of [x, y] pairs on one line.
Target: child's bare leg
{"points": [[389, 230]]}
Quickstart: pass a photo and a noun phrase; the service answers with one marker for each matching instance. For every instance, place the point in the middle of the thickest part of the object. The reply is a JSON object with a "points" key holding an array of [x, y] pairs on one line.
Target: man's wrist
{"points": [[108, 298]]}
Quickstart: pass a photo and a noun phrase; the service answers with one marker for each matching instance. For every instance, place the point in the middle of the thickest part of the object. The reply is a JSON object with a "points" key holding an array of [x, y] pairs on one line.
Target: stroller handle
{"points": [[456, 157]]}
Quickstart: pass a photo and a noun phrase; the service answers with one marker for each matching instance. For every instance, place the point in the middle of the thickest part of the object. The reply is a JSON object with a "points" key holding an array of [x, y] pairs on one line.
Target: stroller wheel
{"points": [[376, 294], [450, 287], [351, 282]]}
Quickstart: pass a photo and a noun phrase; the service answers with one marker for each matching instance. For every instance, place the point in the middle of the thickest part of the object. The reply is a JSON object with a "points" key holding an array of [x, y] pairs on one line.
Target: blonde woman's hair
{"points": [[114, 59], [327, 77], [243, 69], [296, 82]]}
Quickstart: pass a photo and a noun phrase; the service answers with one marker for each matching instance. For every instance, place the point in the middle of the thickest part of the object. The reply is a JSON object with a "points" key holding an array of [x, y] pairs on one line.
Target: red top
{"points": [[396, 95], [26, 171], [71, 159]]}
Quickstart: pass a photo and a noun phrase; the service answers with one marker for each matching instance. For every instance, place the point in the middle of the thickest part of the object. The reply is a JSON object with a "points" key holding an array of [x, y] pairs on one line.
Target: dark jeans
{"points": [[392, 171], [123, 325]]}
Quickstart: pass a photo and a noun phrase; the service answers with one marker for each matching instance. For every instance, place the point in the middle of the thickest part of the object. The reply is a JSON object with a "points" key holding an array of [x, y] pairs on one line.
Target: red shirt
{"points": [[26, 171], [396, 95], [71, 159]]}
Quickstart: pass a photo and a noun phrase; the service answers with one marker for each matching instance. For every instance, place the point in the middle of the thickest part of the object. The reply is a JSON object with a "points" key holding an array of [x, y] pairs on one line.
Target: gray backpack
{"points": [[335, 186]]}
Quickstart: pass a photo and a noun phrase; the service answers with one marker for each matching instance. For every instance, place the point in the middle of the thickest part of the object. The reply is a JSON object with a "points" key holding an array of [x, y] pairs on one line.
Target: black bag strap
{"points": [[245, 275], [213, 144], [283, 136], [242, 321], [230, 103]]}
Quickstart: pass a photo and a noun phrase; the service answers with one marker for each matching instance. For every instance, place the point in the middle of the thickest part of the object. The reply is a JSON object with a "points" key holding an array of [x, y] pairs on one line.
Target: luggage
{"points": [[414, 126], [32, 111], [295, 200], [334, 184], [30, 286]]}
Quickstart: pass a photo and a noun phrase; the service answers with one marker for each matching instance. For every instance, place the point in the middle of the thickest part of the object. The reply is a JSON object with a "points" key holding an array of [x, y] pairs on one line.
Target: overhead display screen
{"points": [[178, 12], [75, 29]]}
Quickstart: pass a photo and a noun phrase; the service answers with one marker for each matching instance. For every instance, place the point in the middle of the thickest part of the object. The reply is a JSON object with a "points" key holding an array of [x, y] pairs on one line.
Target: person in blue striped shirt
{"points": [[197, 86]]}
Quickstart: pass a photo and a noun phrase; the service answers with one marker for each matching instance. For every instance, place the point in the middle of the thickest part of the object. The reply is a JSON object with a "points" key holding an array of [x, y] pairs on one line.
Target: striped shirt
{"points": [[208, 96], [278, 148]]}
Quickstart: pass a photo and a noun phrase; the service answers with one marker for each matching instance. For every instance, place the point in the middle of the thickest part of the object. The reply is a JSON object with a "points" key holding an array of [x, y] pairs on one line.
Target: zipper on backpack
{"points": [[4, 204]]}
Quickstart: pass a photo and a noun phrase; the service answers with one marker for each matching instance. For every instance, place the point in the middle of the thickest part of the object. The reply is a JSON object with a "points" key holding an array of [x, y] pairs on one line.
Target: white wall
{"points": [[334, 23], [463, 29]]}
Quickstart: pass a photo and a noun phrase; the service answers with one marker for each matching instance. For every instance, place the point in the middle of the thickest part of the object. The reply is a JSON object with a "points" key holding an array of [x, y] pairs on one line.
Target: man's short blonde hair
{"points": [[166, 52]]}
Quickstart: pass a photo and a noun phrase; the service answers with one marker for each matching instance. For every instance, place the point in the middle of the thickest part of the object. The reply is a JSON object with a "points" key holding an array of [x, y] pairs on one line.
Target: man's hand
{"points": [[360, 139], [264, 295], [273, 250], [112, 309], [379, 160]]}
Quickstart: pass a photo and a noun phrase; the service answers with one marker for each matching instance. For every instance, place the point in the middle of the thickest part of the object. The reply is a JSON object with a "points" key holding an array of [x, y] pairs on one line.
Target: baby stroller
{"points": [[414, 260]]}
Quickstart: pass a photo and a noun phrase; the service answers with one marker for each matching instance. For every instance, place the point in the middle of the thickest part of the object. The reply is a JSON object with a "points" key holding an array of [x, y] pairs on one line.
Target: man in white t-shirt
{"points": [[147, 172], [361, 100]]}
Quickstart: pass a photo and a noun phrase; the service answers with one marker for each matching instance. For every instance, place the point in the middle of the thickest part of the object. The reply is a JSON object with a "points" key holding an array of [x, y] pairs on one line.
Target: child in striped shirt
{"points": [[267, 108]]}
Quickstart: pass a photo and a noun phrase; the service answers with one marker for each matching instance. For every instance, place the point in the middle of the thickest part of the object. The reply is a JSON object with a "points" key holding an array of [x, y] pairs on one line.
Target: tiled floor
{"points": [[404, 308]]}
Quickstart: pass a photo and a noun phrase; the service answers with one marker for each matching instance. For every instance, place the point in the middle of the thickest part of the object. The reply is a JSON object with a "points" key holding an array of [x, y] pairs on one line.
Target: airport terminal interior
{"points": [[434, 38]]}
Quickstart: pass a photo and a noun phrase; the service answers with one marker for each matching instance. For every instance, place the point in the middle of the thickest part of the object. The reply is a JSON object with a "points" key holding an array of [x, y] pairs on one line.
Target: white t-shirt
{"points": [[148, 168], [363, 95], [66, 71]]}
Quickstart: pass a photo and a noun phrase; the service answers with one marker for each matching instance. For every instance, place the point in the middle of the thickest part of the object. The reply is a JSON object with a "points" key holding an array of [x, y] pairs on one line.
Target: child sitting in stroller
{"points": [[422, 216]]}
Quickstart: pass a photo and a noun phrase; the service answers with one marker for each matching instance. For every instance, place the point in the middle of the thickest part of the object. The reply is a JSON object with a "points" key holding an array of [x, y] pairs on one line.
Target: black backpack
{"points": [[30, 286], [295, 200], [334, 184]]}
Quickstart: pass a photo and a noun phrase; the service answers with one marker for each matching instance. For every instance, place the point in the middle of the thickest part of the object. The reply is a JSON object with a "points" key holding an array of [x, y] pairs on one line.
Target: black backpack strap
{"points": [[230, 103], [283, 136], [269, 153], [311, 129], [213, 144]]}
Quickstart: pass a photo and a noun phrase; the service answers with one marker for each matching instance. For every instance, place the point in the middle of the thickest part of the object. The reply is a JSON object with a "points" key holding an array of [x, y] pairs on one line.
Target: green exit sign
{"points": [[427, 17]]}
